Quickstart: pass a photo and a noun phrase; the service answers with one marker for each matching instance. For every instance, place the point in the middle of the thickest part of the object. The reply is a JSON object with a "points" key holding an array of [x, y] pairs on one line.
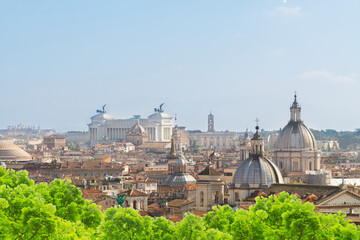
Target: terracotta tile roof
{"points": [[338, 194], [209, 171], [244, 207], [322, 192], [175, 219], [134, 193], [154, 205], [143, 213], [296, 174], [179, 203], [355, 219], [154, 145], [90, 191], [199, 213]]}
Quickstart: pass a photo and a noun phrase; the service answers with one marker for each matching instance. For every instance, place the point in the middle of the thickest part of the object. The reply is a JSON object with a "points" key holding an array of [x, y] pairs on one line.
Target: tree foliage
{"points": [[57, 211]]}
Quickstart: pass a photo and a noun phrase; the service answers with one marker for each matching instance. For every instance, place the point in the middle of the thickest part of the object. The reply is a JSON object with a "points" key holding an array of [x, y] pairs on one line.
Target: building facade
{"points": [[55, 141], [105, 128], [212, 139]]}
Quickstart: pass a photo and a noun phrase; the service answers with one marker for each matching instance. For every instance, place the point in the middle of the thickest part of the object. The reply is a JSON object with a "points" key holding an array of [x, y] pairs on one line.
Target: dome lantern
{"points": [[257, 143], [295, 111]]}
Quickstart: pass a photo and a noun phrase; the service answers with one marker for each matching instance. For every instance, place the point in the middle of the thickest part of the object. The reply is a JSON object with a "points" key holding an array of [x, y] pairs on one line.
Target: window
{"points": [[201, 199], [106, 203], [113, 202], [237, 197], [296, 166]]}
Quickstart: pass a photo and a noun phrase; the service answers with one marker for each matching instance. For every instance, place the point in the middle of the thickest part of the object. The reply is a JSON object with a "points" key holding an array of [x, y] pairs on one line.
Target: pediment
{"points": [[341, 199]]}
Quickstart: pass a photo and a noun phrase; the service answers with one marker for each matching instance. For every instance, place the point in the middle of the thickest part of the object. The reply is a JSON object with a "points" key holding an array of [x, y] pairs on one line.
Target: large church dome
{"points": [[295, 135], [11, 152], [257, 171]]}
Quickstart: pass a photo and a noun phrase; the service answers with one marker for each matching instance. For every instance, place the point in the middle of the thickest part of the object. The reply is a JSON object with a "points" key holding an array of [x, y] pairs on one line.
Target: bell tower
{"points": [[211, 123]]}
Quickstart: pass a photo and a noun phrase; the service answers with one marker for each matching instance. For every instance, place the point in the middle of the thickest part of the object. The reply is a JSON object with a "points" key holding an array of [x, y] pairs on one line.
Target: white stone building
{"points": [[212, 138], [105, 128], [209, 189]]}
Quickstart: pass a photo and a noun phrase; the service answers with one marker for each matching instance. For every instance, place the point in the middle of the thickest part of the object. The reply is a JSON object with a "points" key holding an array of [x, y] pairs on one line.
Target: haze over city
{"points": [[238, 59]]}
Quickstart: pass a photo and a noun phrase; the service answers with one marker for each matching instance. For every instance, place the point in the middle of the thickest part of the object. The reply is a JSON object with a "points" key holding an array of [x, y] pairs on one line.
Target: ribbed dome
{"points": [[295, 135], [10, 152], [257, 172]]}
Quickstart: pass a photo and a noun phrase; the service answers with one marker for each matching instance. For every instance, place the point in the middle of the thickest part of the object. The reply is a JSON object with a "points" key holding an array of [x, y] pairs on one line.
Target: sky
{"points": [[241, 60]]}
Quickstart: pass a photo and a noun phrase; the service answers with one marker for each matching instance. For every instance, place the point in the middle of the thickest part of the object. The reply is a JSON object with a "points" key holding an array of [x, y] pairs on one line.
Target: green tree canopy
{"points": [[57, 211]]}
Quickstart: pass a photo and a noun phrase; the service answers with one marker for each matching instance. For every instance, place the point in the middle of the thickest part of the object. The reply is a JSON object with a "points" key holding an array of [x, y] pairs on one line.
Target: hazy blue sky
{"points": [[61, 60]]}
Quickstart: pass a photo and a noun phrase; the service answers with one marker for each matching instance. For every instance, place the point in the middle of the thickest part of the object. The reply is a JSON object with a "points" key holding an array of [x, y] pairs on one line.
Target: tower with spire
{"points": [[245, 146], [177, 139]]}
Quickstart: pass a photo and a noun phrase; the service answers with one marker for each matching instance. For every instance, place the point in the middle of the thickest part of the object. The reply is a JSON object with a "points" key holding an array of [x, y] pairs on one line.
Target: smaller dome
{"points": [[137, 129], [180, 179], [257, 172]]}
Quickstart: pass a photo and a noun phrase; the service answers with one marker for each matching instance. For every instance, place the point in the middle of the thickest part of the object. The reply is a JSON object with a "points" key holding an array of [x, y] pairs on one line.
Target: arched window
{"points": [[142, 207], [237, 197], [126, 203], [201, 199], [280, 164], [296, 166], [134, 204], [310, 165], [216, 197]]}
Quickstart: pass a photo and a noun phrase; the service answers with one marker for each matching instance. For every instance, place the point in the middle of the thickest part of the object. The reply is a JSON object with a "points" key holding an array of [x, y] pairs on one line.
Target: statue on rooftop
{"points": [[159, 110], [102, 110]]}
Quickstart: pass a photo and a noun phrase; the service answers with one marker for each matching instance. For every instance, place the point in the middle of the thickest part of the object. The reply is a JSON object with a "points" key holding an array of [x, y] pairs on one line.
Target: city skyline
{"points": [[241, 60]]}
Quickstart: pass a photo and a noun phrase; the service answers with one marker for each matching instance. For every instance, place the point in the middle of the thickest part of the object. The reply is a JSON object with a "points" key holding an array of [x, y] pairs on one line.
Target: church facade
{"points": [[106, 128]]}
